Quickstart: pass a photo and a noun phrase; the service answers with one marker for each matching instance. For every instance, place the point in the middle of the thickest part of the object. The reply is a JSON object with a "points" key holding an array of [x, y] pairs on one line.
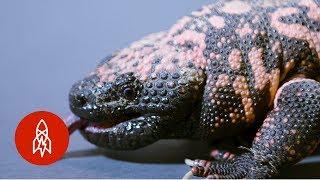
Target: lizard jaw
{"points": [[127, 135]]}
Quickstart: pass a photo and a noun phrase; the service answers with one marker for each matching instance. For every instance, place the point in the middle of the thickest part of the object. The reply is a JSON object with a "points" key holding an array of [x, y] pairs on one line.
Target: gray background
{"points": [[47, 45]]}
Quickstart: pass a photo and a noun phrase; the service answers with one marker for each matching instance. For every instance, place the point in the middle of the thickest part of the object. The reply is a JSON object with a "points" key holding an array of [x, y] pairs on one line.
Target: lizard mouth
{"points": [[75, 122], [116, 120]]}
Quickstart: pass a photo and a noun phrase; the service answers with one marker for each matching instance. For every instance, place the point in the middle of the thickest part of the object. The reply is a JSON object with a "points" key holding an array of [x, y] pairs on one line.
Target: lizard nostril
{"points": [[81, 100]]}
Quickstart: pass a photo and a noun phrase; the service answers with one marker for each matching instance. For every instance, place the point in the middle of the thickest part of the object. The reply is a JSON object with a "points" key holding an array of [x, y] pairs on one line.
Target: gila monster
{"points": [[231, 69]]}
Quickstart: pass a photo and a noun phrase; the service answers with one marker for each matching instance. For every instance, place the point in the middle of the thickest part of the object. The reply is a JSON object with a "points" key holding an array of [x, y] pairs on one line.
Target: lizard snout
{"points": [[83, 98], [77, 98]]}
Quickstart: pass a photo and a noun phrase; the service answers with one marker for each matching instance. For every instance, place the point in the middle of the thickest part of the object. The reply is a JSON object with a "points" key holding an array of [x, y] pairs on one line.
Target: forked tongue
{"points": [[73, 123]]}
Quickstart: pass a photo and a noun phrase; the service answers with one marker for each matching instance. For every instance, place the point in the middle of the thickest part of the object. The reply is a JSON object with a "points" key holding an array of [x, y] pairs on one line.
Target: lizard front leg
{"points": [[290, 132]]}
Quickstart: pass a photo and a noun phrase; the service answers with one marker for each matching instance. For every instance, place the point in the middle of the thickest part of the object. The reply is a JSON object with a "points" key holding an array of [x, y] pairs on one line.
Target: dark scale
{"points": [[302, 19], [216, 112], [256, 79]]}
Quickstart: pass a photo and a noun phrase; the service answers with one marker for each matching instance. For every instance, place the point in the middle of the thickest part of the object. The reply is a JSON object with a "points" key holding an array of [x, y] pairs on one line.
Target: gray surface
{"points": [[47, 45]]}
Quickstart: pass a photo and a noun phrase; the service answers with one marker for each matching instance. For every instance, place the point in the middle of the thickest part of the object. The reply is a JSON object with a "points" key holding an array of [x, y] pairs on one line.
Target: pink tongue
{"points": [[73, 123]]}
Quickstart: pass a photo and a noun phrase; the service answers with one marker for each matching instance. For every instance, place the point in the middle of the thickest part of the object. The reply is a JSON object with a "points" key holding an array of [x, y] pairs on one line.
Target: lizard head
{"points": [[129, 112], [143, 93], [109, 101]]}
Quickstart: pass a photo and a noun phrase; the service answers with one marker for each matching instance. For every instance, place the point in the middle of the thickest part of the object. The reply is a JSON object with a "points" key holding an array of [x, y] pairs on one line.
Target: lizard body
{"points": [[218, 72]]}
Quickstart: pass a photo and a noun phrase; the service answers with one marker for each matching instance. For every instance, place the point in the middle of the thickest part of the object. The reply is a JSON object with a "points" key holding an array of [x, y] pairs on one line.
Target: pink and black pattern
{"points": [[230, 68]]}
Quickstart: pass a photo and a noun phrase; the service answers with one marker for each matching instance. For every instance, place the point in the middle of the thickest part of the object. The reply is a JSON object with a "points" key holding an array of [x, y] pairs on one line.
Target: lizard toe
{"points": [[243, 166]]}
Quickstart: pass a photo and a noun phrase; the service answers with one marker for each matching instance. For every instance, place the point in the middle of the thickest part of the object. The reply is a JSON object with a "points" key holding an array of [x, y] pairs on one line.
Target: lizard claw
{"points": [[189, 162], [188, 175]]}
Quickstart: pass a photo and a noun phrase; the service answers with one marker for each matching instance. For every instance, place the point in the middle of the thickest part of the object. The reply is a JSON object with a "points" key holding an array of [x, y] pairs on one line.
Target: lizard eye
{"points": [[128, 93]]}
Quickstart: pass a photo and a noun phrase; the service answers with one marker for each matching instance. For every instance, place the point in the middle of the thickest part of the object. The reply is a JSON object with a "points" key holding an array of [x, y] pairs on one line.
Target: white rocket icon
{"points": [[41, 141]]}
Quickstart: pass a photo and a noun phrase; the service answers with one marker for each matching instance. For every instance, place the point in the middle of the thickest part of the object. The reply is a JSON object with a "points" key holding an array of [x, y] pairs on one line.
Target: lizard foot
{"points": [[244, 166]]}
